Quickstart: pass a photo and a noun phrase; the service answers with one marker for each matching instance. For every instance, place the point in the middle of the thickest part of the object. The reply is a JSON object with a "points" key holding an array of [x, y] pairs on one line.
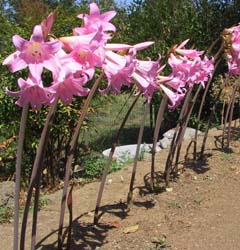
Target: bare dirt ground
{"points": [[201, 210]]}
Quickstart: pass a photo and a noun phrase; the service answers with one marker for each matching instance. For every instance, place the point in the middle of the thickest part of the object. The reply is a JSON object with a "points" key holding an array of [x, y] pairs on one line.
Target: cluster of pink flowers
{"points": [[232, 43], [73, 60], [188, 69]]}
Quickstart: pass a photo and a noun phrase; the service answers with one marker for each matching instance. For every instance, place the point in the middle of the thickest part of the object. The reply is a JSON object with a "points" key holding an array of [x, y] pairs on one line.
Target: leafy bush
{"points": [[94, 166]]}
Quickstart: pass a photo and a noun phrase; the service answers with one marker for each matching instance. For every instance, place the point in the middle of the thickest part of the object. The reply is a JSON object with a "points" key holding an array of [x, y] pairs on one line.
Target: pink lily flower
{"points": [[31, 91], [95, 19], [201, 71], [67, 87], [118, 70], [69, 80], [189, 68], [181, 68], [34, 54], [173, 87], [190, 53], [85, 50], [145, 76], [174, 97]]}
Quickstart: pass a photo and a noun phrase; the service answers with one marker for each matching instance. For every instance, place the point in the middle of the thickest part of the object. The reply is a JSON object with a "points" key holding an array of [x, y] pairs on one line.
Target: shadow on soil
{"points": [[84, 236], [200, 166], [87, 236], [235, 135]]}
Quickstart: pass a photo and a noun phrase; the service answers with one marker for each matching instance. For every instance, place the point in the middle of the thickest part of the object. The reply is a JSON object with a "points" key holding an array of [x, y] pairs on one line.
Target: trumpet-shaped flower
{"points": [[145, 76], [190, 53], [175, 97], [86, 50], [118, 70], [34, 54], [31, 91], [95, 19], [69, 85]]}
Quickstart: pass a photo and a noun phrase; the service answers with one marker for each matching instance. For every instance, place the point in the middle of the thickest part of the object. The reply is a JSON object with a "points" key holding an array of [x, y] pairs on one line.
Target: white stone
{"points": [[165, 142], [169, 134], [127, 152]]}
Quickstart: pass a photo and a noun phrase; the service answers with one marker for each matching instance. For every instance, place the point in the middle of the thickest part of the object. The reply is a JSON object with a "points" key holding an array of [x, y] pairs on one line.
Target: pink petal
{"points": [[19, 42], [52, 65], [109, 27], [37, 35], [21, 83], [107, 16], [117, 46], [47, 24], [36, 70], [142, 81], [52, 47], [12, 93], [144, 45], [183, 44], [11, 58], [94, 10], [74, 41], [17, 64], [115, 58]]}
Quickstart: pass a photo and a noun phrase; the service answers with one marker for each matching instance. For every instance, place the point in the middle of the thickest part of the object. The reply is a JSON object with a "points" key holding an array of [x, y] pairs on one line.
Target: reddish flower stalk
{"points": [[36, 208], [70, 209], [202, 103], [228, 115], [169, 161], [73, 145], [232, 102], [216, 101], [183, 128], [18, 175], [37, 168], [107, 166], [155, 136], [140, 135]]}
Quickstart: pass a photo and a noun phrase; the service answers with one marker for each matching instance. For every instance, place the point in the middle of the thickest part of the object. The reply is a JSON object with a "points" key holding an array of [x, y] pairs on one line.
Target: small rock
{"points": [[122, 180], [169, 134], [169, 189], [165, 143]]}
